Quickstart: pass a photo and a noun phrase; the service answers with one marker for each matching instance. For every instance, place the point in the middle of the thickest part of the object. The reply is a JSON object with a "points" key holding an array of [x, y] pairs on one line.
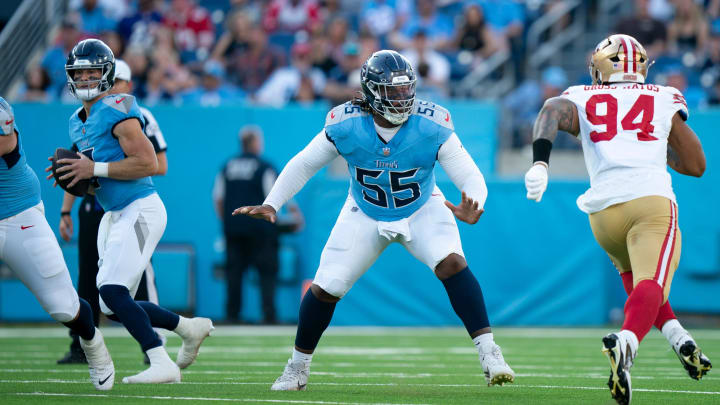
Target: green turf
{"points": [[359, 366]]}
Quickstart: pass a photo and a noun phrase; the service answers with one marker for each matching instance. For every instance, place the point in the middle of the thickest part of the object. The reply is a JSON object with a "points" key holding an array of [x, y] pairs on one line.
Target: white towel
{"points": [[390, 230]]}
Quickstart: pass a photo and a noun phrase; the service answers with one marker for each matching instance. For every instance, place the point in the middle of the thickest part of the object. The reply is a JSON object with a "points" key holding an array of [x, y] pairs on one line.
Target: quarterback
{"points": [[108, 133], [630, 132], [29, 247], [391, 144]]}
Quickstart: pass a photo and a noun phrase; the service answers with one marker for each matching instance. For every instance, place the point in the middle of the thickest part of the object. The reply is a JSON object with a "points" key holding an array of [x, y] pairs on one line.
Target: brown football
{"points": [[79, 189]]}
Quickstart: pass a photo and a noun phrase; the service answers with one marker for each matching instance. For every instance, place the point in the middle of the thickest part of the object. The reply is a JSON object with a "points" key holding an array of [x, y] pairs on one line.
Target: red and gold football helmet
{"points": [[619, 58]]}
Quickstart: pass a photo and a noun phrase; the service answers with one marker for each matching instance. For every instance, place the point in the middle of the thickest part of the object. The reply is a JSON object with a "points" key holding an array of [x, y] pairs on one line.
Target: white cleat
{"points": [[497, 371], [294, 377], [192, 331], [102, 369], [162, 369]]}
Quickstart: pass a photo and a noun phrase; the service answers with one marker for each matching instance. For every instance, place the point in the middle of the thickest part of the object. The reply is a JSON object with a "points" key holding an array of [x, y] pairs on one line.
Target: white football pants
{"points": [[430, 234], [29, 247]]}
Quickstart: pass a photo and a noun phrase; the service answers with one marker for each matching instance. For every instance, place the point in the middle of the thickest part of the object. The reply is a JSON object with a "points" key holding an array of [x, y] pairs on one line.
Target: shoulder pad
{"points": [[7, 119], [342, 112], [678, 101], [435, 113], [572, 89], [120, 102]]}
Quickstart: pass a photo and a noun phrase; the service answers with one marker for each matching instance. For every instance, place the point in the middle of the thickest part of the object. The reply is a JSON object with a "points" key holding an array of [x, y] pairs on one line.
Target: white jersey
{"points": [[624, 129]]}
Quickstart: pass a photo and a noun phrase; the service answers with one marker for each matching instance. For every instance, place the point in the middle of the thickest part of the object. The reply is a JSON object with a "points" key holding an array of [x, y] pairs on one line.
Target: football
{"points": [[79, 189]]}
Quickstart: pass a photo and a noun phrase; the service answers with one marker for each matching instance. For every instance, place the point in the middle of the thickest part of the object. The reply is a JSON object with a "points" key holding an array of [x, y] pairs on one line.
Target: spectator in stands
{"points": [[37, 82], [344, 81], [688, 31], [379, 18], [437, 27], [166, 77], [474, 34], [251, 67], [253, 9], [194, 31], [678, 77], [291, 15], [54, 60], [710, 67], [213, 91], [94, 18], [506, 17], [113, 40], [138, 62], [714, 97], [647, 30], [337, 34], [138, 29], [320, 54], [330, 10], [435, 66], [235, 38], [523, 104], [291, 83]]}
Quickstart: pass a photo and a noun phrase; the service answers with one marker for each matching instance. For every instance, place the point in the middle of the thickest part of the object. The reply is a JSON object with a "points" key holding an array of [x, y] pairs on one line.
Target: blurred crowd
{"points": [[277, 51]]}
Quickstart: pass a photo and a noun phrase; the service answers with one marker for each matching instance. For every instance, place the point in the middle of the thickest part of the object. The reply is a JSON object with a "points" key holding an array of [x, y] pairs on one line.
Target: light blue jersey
{"points": [[390, 181], [19, 186], [93, 137]]}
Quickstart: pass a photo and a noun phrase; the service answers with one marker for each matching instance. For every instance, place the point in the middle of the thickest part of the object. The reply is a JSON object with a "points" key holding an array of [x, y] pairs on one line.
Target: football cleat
{"points": [[497, 371], [192, 331], [692, 358], [294, 377], [102, 369], [162, 369], [621, 358]]}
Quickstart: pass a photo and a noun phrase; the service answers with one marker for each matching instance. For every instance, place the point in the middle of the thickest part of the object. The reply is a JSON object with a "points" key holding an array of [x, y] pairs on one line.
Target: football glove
{"points": [[536, 180]]}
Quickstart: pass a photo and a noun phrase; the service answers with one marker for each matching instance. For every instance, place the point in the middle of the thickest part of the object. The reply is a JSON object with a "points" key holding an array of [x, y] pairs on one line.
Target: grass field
{"points": [[359, 366]]}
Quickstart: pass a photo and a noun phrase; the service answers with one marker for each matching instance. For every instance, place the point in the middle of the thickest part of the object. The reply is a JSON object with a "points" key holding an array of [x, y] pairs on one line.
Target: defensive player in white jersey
{"points": [[630, 131], [391, 144], [29, 247], [109, 129]]}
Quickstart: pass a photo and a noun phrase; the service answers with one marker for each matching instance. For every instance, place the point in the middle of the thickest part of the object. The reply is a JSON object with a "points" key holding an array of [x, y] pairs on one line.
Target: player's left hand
{"points": [[77, 169], [467, 211], [265, 212]]}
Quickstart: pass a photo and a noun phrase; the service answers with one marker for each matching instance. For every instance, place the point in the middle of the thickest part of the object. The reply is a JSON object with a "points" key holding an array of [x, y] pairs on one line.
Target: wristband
{"points": [[63, 213], [541, 151], [101, 169]]}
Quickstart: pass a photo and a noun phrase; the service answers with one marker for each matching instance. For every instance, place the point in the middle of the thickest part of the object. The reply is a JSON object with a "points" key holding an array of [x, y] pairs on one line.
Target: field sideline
{"points": [[359, 366]]}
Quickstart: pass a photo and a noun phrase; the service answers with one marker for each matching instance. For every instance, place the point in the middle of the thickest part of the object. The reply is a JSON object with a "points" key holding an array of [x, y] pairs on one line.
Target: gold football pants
{"points": [[641, 236]]}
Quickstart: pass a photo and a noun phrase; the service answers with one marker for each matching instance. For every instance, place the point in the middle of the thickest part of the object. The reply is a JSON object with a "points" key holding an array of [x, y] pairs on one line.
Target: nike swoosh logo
{"points": [[119, 100], [25, 227], [434, 195], [447, 119], [9, 122], [101, 382], [332, 114]]}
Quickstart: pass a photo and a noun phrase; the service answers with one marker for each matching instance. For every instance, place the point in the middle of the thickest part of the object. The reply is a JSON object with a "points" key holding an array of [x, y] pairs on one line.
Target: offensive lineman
{"points": [[29, 247], [391, 144], [109, 128], [630, 132]]}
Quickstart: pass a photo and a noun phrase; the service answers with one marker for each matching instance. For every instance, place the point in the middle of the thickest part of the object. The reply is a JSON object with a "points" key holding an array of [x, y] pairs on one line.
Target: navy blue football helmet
{"points": [[90, 54], [388, 85]]}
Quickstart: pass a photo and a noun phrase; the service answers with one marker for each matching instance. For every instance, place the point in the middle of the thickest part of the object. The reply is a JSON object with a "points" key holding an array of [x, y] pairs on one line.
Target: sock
{"points": [[159, 316], [483, 341], [158, 355], [642, 307], [674, 332], [627, 280], [83, 325], [301, 357], [314, 318], [665, 315], [132, 316], [467, 300], [631, 338]]}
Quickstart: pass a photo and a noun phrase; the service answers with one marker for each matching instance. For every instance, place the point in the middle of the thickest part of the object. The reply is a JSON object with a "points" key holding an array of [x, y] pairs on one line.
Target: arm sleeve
{"points": [[462, 170], [318, 153]]}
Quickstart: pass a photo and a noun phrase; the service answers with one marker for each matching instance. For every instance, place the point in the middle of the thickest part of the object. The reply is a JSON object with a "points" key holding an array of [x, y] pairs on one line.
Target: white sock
{"points": [[672, 330], [483, 341], [631, 338], [182, 326], [301, 357], [158, 355]]}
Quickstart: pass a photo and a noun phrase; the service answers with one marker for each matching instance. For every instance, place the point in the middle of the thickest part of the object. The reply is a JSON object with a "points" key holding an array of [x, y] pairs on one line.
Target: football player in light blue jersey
{"points": [[108, 131], [391, 144], [29, 247]]}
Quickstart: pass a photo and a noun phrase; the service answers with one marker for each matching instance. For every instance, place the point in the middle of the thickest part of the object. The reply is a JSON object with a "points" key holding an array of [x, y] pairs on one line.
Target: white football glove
{"points": [[536, 180]]}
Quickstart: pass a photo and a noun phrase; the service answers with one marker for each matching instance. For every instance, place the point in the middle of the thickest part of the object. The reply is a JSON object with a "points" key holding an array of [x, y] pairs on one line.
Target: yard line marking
{"points": [[284, 401]]}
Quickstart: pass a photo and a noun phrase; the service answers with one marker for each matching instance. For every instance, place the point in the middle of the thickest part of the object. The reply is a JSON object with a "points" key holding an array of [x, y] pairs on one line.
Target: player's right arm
{"points": [[557, 114], [685, 153], [318, 153]]}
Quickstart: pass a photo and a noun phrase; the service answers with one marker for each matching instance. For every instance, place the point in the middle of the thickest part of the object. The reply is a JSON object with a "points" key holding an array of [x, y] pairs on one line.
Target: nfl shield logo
{"points": [[83, 130], [386, 151]]}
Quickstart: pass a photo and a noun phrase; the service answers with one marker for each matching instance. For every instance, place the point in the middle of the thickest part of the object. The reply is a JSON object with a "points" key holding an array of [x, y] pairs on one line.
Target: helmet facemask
{"points": [[88, 89], [394, 101]]}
